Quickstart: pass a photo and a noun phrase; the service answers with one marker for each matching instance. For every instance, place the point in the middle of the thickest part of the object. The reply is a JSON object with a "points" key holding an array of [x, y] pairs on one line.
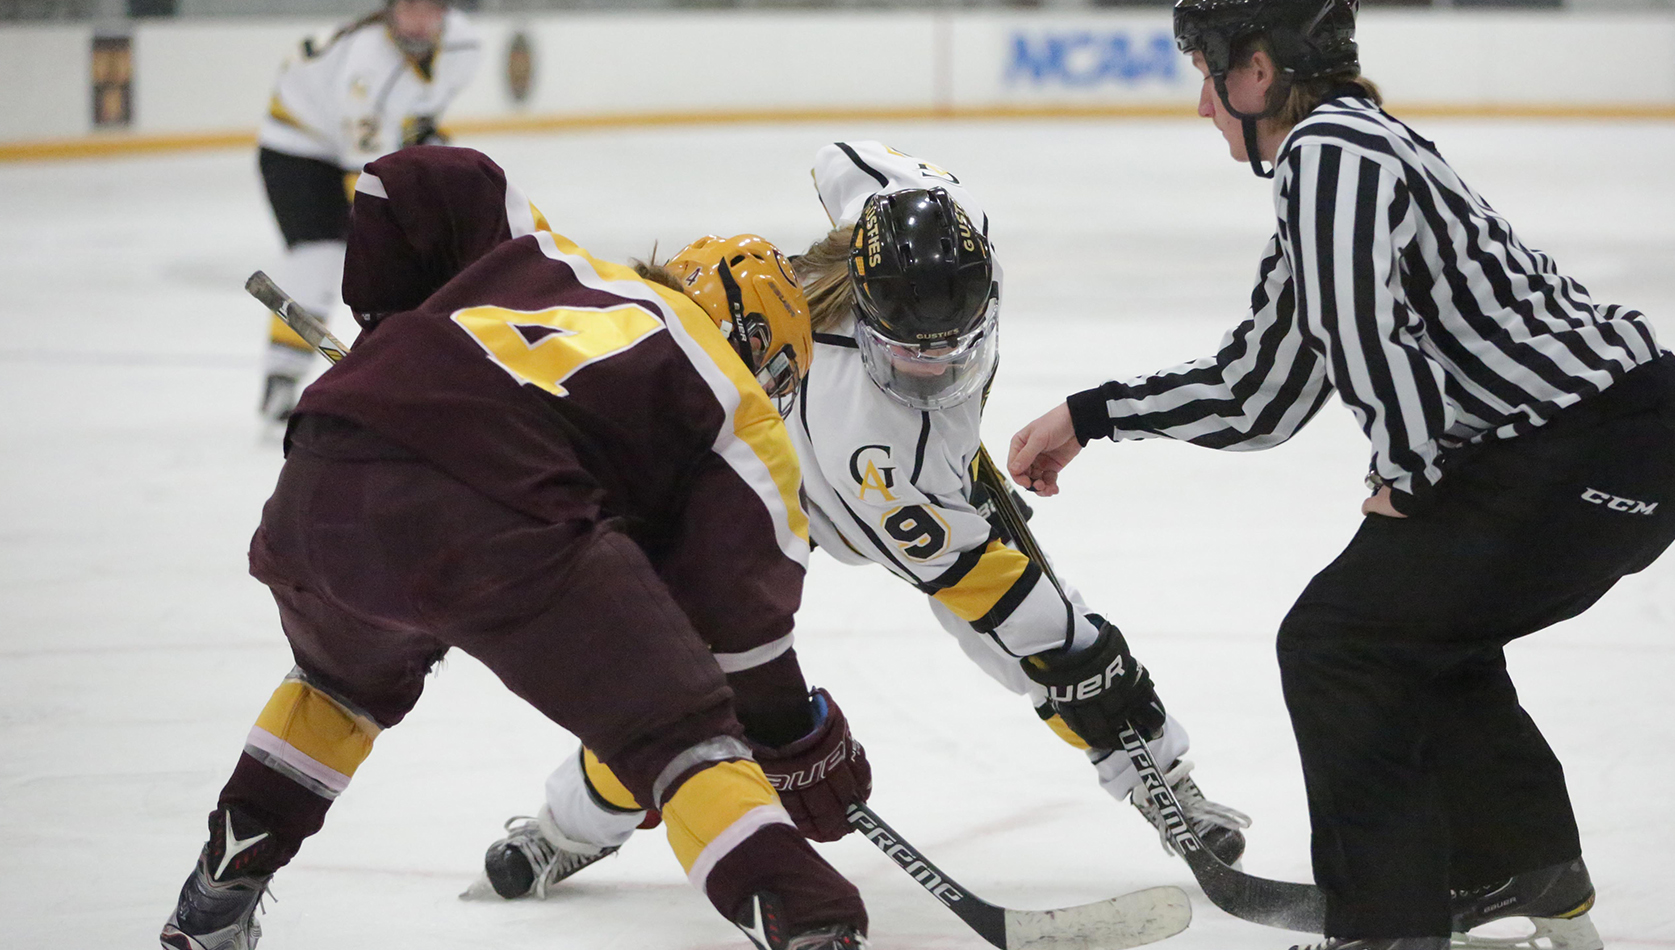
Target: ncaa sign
{"points": [[1087, 59]]}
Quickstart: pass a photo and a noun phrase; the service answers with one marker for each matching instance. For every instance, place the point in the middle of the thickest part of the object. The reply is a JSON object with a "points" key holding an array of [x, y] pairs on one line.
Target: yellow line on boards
{"points": [[116, 143]]}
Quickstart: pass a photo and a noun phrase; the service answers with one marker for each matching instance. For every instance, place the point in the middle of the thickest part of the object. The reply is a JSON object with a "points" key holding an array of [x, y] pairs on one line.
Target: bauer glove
{"points": [[1100, 689], [820, 775]]}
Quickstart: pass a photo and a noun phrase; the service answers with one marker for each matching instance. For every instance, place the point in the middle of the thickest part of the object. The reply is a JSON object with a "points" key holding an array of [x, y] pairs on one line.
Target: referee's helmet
{"points": [[1307, 38]]}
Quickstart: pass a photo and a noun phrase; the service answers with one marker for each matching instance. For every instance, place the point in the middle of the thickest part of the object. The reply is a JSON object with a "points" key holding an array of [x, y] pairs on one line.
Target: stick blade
{"points": [[1130, 920], [1282, 904]]}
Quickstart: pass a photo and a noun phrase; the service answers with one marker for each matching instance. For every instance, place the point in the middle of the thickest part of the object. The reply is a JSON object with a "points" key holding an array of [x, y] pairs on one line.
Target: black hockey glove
{"points": [[421, 130], [1099, 689], [819, 775]]}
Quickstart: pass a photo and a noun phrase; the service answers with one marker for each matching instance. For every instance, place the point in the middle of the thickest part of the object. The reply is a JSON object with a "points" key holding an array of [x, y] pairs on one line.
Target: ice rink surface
{"points": [[135, 652]]}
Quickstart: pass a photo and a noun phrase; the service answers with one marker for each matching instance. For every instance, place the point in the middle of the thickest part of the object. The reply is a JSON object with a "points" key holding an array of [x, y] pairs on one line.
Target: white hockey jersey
{"points": [[891, 485], [352, 96]]}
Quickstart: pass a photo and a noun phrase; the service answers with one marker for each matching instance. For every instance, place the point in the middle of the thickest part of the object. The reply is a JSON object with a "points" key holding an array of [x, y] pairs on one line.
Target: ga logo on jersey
{"points": [[870, 467]]}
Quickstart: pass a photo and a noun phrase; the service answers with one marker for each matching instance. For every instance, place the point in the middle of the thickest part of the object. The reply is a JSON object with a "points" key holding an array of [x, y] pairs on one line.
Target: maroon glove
{"points": [[820, 775]]}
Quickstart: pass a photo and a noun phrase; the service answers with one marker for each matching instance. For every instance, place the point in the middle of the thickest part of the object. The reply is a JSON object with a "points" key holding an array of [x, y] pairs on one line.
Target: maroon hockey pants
{"points": [[1423, 772], [380, 562]]}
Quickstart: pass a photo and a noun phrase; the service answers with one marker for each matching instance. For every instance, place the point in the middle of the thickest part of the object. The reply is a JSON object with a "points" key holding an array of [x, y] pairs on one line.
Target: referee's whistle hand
{"points": [[1042, 449], [1379, 504]]}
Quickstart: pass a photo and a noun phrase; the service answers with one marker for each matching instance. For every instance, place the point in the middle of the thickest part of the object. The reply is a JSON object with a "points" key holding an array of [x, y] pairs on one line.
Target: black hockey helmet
{"points": [[1307, 39], [925, 297]]}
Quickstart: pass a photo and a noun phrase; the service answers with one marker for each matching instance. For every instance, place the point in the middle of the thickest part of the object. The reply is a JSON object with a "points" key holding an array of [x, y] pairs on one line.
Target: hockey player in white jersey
{"points": [[343, 99], [905, 295]]}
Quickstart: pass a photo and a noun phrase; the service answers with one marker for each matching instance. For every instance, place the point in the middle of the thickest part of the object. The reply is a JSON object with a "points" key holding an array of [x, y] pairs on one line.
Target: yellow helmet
{"points": [[749, 289]]}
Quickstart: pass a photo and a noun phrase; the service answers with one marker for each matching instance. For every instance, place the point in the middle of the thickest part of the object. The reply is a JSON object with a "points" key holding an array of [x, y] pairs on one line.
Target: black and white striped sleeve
{"points": [[1346, 222], [1265, 382]]}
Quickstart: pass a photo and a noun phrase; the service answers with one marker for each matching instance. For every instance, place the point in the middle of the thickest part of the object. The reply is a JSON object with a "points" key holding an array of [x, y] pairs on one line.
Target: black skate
{"points": [[279, 397], [1377, 943], [531, 859], [218, 904], [1218, 826], [763, 922], [1556, 900]]}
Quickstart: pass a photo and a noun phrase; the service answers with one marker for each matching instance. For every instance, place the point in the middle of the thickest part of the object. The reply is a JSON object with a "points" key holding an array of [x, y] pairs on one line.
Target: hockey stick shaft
{"points": [[1128, 920], [309, 326], [1283, 904], [986, 919]]}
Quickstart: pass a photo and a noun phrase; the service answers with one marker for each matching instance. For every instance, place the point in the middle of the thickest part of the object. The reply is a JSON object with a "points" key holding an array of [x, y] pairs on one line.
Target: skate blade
{"points": [[1538, 933], [481, 890]]}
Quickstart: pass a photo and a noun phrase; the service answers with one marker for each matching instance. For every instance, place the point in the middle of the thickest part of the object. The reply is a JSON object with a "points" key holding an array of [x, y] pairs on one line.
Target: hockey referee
{"points": [[1523, 460]]}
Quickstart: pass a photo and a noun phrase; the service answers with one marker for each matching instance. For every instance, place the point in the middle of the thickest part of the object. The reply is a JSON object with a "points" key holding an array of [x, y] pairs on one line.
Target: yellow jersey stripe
{"points": [[985, 584], [753, 441]]}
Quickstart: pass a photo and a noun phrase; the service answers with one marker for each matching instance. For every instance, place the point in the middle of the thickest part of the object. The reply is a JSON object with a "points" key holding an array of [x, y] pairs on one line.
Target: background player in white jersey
{"points": [[345, 99], [905, 297]]}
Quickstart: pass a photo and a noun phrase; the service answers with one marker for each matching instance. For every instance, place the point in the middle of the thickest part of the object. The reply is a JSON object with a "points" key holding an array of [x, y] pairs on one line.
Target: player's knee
{"points": [[313, 737], [714, 808]]}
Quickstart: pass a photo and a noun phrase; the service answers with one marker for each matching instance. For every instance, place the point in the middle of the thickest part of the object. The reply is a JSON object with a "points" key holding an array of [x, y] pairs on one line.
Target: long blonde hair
{"points": [[823, 270]]}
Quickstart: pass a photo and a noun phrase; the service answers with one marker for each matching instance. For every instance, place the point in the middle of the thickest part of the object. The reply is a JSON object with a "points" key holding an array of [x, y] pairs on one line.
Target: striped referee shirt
{"points": [[1392, 282]]}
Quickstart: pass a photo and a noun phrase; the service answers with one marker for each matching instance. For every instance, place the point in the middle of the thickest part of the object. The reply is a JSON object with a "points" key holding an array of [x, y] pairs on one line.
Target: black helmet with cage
{"points": [[1307, 39], [926, 298]]}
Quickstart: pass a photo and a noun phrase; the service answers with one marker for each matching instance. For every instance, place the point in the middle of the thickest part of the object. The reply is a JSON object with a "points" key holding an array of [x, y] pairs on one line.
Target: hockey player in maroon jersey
{"points": [[568, 471]]}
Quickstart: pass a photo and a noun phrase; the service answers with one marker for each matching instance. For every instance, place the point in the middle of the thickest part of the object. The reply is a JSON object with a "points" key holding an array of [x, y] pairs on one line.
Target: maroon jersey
{"points": [[537, 369]]}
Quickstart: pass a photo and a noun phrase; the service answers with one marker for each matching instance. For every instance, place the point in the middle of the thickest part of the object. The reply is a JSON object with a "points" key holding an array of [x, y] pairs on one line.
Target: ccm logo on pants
{"points": [[1597, 497]]}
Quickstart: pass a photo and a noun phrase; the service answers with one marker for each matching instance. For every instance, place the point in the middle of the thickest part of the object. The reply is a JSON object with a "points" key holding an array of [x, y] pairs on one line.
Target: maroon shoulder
{"points": [[633, 423]]}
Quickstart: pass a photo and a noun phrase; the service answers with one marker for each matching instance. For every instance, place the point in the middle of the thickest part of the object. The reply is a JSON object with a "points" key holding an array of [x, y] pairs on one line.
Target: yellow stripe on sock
{"points": [[710, 802], [280, 332], [605, 782], [313, 724]]}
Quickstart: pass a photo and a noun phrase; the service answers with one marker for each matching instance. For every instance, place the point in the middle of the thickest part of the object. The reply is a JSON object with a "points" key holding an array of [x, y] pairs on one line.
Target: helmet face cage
{"points": [[777, 370], [935, 375]]}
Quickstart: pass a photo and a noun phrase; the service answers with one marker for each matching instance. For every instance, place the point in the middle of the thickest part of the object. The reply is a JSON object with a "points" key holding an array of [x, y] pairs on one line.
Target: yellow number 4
{"points": [[545, 347]]}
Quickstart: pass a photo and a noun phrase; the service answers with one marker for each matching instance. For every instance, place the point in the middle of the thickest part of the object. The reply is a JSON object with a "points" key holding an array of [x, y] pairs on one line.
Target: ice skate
{"points": [[1377, 943], [1555, 899], [279, 398], [282, 386], [217, 906], [762, 921], [532, 858], [1217, 825]]}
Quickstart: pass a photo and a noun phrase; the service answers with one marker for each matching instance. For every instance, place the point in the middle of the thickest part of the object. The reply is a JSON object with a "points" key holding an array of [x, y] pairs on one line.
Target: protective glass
{"points": [[935, 376], [779, 375]]}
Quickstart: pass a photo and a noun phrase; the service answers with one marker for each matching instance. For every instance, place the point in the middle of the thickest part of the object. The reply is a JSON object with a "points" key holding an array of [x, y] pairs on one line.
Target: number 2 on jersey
{"points": [[545, 347]]}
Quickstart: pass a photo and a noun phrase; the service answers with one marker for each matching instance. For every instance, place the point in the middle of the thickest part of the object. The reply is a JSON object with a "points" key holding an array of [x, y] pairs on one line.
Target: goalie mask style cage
{"points": [[1307, 39], [749, 289], [926, 301]]}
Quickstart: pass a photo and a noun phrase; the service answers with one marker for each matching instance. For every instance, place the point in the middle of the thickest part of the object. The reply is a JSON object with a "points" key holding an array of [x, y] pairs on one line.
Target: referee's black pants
{"points": [[1422, 770]]}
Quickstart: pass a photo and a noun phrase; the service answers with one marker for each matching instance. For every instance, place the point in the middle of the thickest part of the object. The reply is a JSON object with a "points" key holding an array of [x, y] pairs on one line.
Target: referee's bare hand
{"points": [[1042, 449], [1379, 504]]}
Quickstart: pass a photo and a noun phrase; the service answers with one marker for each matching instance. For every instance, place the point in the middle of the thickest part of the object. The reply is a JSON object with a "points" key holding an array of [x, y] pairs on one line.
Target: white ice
{"points": [[135, 651]]}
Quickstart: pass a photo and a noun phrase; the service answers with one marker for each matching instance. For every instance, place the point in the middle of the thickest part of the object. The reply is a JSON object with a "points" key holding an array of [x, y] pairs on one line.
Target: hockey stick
{"points": [[308, 326], [1128, 920], [1257, 899]]}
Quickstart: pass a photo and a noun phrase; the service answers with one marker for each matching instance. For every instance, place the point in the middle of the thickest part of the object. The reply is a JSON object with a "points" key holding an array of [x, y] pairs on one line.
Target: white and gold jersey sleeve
{"points": [[352, 96], [846, 174], [893, 486]]}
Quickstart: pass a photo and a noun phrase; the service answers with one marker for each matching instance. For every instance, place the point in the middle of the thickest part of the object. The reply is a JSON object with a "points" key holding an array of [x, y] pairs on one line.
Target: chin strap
{"points": [[1253, 151]]}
